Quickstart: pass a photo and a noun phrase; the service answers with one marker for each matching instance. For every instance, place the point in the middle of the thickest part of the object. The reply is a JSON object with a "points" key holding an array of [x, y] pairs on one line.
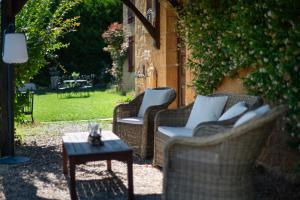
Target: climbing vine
{"points": [[264, 35], [117, 47]]}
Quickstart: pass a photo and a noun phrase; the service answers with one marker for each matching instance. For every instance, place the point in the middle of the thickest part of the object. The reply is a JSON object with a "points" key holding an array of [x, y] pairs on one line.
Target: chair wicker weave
{"points": [[179, 117], [139, 136], [218, 166]]}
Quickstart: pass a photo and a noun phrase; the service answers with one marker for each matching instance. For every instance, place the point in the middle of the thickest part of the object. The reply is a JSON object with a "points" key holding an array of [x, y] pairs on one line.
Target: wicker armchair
{"points": [[179, 117], [216, 166], [139, 136]]}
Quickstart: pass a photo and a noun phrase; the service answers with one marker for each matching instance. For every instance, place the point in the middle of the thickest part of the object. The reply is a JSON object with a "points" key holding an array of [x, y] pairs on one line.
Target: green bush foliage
{"points": [[226, 36], [85, 53], [117, 48], [44, 22]]}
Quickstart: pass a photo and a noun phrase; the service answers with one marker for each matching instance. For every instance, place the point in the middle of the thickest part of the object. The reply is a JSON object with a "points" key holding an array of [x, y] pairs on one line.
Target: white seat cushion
{"points": [[251, 114], [131, 120], [234, 111], [153, 98], [206, 109], [175, 131]]}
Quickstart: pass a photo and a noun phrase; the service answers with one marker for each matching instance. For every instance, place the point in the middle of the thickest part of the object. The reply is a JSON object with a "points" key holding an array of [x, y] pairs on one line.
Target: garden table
{"points": [[80, 86], [77, 150], [72, 82]]}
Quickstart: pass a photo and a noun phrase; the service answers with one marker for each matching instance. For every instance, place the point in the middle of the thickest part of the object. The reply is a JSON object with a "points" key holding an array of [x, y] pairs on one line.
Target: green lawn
{"points": [[100, 104]]}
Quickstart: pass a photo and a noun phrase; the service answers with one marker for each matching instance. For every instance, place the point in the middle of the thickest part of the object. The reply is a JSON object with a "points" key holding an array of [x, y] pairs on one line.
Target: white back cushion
{"points": [[153, 98], [263, 110], [206, 109], [246, 117], [234, 111], [251, 114]]}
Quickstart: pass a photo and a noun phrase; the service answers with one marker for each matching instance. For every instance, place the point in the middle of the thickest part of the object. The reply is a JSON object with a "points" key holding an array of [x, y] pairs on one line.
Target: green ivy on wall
{"points": [[226, 36]]}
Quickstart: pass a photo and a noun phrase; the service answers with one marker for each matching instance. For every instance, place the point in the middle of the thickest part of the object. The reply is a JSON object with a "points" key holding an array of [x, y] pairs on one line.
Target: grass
{"points": [[100, 104], [55, 128]]}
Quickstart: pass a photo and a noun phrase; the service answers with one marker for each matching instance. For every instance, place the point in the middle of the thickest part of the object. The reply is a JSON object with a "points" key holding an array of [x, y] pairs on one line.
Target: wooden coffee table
{"points": [[77, 150]]}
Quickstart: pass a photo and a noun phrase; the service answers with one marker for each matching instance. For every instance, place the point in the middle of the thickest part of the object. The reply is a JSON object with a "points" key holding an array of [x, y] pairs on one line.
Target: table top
{"points": [[76, 144]]}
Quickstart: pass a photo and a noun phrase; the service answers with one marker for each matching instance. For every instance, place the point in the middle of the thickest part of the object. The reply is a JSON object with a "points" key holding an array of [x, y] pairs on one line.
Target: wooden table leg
{"points": [[65, 160], [72, 167], [130, 178], [108, 165]]}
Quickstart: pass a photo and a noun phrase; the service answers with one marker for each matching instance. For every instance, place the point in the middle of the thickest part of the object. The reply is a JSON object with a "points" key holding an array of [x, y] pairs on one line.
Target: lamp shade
{"points": [[15, 48]]}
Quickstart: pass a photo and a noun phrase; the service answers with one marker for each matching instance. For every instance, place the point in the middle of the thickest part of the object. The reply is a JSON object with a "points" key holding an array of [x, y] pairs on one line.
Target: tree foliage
{"points": [[117, 47], [45, 23], [85, 53]]}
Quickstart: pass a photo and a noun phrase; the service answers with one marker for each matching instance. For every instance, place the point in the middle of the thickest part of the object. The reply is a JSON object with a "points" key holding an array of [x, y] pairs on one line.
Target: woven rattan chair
{"points": [[179, 117], [218, 166], [139, 136]]}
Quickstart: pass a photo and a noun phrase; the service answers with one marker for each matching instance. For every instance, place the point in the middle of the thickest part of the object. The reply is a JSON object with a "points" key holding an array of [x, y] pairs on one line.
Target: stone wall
{"points": [[128, 79], [163, 60], [277, 156]]}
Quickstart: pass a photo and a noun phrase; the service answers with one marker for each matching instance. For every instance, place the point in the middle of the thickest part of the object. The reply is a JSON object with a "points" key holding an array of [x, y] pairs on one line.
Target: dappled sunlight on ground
{"points": [[42, 178]]}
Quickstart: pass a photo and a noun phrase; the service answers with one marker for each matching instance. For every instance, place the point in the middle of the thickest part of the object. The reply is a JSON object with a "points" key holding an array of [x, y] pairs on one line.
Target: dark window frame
{"points": [[130, 14], [131, 54]]}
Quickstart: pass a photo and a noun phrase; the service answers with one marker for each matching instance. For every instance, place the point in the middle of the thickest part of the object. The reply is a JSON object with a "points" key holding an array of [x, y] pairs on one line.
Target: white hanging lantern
{"points": [[15, 48]]}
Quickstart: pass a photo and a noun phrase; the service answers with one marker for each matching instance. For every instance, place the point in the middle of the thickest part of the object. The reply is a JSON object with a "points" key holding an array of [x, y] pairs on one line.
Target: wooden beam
{"points": [[153, 31], [19, 4], [157, 23]]}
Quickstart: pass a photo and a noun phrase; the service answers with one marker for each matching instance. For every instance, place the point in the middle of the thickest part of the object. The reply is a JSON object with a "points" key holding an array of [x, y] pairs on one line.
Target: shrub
{"points": [[226, 36], [117, 47]]}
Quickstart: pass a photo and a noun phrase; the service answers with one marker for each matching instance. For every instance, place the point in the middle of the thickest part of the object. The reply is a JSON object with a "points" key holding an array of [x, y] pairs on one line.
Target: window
{"points": [[131, 54], [130, 14]]}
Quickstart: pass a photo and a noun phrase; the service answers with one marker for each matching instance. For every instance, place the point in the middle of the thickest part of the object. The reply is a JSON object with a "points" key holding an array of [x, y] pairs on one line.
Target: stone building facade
{"points": [[128, 79], [165, 66]]}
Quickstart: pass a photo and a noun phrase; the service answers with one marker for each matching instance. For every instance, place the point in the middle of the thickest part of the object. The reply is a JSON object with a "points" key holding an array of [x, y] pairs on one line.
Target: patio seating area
{"points": [[134, 122], [177, 118], [150, 100], [43, 178]]}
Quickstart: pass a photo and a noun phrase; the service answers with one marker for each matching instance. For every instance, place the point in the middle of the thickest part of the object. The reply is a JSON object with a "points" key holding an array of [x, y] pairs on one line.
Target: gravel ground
{"points": [[42, 177]]}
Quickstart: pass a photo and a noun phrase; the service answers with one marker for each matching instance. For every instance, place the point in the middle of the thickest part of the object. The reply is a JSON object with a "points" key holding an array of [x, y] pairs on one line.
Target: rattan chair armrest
{"points": [[152, 111], [206, 129], [125, 110], [173, 117]]}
